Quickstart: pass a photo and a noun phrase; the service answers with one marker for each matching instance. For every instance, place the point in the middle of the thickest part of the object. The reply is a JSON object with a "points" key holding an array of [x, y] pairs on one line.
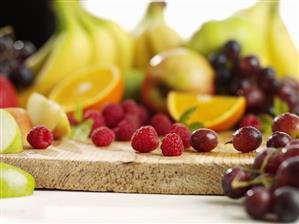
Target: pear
{"points": [[178, 69], [214, 34], [15, 182], [10, 134]]}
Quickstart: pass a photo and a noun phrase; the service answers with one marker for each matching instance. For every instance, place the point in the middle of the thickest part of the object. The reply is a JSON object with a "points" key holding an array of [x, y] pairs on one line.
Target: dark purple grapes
{"points": [[218, 61], [204, 140], [249, 65], [234, 174], [290, 82], [278, 140], [232, 50], [288, 173], [267, 80], [289, 95], [23, 49], [5, 44], [21, 76], [286, 204], [254, 97], [258, 202], [223, 76], [247, 139]]}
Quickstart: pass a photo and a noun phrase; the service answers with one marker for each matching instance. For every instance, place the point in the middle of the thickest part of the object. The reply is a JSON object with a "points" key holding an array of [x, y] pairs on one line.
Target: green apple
{"points": [[43, 111], [15, 182], [10, 134]]}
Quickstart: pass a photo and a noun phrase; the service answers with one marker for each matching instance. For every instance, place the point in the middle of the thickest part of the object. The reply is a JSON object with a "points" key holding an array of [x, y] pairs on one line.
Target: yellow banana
{"points": [[152, 35], [71, 51], [36, 61], [281, 50]]}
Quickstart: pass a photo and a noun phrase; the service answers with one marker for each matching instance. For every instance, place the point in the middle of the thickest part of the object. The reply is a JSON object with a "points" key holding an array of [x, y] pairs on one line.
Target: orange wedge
{"points": [[216, 112], [90, 87]]}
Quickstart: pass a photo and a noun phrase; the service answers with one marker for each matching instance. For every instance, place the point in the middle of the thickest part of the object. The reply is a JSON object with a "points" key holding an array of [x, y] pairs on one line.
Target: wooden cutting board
{"points": [[70, 165]]}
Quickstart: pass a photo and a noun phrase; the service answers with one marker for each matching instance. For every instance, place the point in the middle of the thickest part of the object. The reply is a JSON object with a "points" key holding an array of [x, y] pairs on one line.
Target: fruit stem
{"points": [[155, 10], [64, 11]]}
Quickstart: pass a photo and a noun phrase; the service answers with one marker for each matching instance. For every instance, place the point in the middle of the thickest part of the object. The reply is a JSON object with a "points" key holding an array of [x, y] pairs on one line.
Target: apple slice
{"points": [[22, 118], [43, 111], [10, 134], [15, 182]]}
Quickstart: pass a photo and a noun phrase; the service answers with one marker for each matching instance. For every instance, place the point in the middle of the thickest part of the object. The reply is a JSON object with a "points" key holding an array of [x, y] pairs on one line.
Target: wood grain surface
{"points": [[70, 165]]}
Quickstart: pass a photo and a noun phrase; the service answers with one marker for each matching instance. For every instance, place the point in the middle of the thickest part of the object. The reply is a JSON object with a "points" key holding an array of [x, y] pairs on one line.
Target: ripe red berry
{"points": [[113, 114], [130, 106], [102, 136], [161, 123], [40, 137], [204, 140], [172, 145], [96, 117], [72, 120], [250, 120], [124, 130], [183, 132], [145, 139]]}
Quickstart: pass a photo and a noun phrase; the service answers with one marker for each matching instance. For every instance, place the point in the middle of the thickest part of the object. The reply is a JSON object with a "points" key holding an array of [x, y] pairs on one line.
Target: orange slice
{"points": [[90, 87], [216, 112]]}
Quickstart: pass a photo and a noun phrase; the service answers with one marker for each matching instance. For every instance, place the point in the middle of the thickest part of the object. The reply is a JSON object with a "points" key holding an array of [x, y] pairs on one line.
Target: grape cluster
{"points": [[271, 185], [244, 76], [12, 60]]}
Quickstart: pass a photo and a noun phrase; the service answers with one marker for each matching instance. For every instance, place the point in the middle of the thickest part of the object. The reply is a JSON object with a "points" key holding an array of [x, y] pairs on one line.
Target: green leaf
{"points": [[280, 106], [195, 125], [266, 123], [186, 115], [78, 114], [81, 131]]}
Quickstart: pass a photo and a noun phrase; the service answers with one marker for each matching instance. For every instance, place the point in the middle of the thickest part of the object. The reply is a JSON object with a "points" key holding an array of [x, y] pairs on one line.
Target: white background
{"points": [[186, 16]]}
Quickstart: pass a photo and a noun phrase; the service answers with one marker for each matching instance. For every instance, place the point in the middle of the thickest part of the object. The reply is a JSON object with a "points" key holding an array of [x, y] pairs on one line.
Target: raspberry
{"points": [[113, 114], [183, 132], [96, 116], [40, 137], [72, 120], [134, 119], [250, 120], [144, 115], [102, 136], [145, 139], [130, 106], [172, 145], [124, 130], [161, 123]]}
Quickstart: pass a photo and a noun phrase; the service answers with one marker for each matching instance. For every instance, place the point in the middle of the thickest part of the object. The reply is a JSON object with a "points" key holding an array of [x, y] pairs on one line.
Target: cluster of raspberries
{"points": [[131, 122]]}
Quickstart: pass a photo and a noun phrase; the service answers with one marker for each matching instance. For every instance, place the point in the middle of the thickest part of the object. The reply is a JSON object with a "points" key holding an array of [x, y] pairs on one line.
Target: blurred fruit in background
{"points": [[91, 88], [260, 30], [153, 35], [178, 69], [81, 40], [8, 94]]}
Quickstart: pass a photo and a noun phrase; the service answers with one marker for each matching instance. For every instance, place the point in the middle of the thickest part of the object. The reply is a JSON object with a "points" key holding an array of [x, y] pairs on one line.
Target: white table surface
{"points": [[70, 206]]}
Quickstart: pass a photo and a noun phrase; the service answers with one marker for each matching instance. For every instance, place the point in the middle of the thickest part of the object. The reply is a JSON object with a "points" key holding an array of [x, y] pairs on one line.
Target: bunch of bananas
{"points": [[260, 30], [81, 40]]}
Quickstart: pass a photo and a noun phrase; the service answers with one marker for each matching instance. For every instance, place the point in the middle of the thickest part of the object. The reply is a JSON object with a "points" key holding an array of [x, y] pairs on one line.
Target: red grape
{"points": [[286, 204], [218, 61], [249, 65], [232, 50], [234, 174], [274, 158], [254, 96], [288, 173], [204, 140], [258, 202], [278, 139], [267, 80], [247, 139], [288, 123]]}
